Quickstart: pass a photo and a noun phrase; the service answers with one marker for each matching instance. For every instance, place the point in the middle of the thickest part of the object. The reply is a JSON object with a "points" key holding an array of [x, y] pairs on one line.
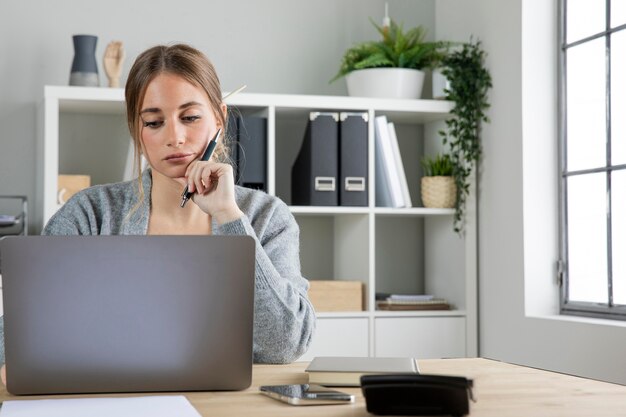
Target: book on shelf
{"points": [[347, 371], [407, 302], [397, 156], [388, 184], [413, 305], [410, 297]]}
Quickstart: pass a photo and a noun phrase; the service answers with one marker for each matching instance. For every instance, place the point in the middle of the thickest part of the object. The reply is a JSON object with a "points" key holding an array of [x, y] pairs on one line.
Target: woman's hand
{"points": [[213, 185]]}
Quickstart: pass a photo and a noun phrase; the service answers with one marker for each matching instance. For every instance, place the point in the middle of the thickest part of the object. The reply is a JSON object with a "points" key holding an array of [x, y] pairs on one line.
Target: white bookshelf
{"points": [[83, 131]]}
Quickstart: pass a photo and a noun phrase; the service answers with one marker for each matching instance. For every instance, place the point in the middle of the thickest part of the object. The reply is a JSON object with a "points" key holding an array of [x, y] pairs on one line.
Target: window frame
{"points": [[568, 307]]}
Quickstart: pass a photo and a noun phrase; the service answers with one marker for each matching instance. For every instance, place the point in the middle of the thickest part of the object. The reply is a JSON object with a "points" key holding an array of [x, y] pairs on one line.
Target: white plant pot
{"points": [[386, 83], [440, 84]]}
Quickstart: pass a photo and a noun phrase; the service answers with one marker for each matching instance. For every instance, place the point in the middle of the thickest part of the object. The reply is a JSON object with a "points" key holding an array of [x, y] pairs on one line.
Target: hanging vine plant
{"points": [[469, 83]]}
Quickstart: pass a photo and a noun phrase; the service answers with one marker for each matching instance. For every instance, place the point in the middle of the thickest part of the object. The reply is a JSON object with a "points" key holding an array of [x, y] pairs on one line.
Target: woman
{"points": [[174, 107]]}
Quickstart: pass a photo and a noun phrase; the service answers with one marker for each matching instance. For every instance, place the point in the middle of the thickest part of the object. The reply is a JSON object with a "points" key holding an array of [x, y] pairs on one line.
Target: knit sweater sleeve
{"points": [[284, 319]]}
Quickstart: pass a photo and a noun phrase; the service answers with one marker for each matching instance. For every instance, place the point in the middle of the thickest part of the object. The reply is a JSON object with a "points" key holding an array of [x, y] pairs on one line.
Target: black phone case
{"points": [[417, 395]]}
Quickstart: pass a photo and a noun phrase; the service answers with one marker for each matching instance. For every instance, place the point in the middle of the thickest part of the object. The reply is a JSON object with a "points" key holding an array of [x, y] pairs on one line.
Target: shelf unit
{"points": [[389, 250]]}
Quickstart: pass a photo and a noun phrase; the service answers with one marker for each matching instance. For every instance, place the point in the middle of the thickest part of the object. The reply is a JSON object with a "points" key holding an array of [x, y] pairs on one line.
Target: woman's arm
{"points": [[284, 317]]}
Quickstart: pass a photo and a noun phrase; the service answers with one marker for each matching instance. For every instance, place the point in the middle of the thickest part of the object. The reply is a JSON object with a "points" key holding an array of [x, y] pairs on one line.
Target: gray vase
{"points": [[84, 66]]}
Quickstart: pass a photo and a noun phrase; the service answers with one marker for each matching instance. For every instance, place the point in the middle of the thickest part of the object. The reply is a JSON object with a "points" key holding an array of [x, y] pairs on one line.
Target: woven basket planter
{"points": [[438, 192]]}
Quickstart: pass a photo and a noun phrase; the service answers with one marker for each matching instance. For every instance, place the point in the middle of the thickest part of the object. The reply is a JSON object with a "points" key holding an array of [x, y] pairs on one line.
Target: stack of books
{"points": [[410, 302]]}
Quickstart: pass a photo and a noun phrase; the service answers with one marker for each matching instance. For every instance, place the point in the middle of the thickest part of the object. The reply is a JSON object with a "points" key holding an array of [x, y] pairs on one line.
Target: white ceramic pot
{"points": [[440, 84], [386, 83]]}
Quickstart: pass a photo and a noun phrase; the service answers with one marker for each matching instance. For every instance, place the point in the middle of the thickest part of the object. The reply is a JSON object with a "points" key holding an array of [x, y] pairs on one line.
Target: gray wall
{"points": [[518, 316], [273, 46]]}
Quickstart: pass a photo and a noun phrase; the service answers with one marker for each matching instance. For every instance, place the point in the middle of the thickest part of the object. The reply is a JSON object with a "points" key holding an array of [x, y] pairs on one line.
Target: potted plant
{"points": [[438, 186], [468, 84], [391, 67]]}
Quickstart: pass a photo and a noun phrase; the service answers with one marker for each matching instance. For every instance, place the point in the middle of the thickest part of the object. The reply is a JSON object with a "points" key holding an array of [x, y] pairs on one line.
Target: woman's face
{"points": [[177, 122]]}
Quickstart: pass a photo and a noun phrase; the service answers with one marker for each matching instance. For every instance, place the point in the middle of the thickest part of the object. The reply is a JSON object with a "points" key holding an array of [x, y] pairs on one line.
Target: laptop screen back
{"points": [[127, 313]]}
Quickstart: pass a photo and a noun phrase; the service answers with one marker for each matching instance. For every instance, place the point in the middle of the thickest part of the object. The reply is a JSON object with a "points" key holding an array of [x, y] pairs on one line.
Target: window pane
{"points": [[586, 211], [585, 18], [618, 12], [618, 97], [586, 108], [618, 203]]}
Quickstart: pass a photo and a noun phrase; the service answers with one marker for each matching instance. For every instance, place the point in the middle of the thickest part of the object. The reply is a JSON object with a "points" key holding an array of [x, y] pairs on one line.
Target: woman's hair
{"points": [[186, 62]]}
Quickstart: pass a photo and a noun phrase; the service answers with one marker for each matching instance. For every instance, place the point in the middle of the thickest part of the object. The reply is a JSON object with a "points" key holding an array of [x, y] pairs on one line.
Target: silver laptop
{"points": [[93, 314]]}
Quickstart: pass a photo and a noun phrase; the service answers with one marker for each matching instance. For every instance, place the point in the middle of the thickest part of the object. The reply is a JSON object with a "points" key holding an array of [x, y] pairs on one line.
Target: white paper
{"points": [[146, 406]]}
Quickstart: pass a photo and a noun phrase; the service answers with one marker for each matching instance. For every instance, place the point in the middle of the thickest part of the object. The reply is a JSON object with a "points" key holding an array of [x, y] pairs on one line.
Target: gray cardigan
{"points": [[284, 319]]}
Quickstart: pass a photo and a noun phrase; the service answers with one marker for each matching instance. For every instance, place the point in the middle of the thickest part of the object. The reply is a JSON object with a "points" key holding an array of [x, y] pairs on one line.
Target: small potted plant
{"points": [[438, 184], [391, 67]]}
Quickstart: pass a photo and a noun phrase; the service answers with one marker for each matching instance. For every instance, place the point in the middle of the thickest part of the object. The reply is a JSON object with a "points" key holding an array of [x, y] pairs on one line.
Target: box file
{"points": [[314, 174], [233, 141], [252, 152], [353, 177]]}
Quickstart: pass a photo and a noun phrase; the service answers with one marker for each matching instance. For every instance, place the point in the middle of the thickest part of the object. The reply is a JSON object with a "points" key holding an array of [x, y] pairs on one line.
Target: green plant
{"points": [[440, 165], [469, 83], [396, 49]]}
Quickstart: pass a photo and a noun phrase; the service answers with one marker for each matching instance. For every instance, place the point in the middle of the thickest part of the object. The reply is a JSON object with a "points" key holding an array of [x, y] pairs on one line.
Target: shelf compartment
{"points": [[420, 337], [97, 145], [335, 336], [399, 255], [329, 246]]}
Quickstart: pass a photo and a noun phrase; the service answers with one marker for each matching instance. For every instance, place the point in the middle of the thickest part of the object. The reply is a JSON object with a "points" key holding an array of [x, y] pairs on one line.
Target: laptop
{"points": [[97, 314]]}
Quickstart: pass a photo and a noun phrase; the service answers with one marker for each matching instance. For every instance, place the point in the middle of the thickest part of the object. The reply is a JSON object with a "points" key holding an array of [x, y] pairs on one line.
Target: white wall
{"points": [[517, 196], [273, 46]]}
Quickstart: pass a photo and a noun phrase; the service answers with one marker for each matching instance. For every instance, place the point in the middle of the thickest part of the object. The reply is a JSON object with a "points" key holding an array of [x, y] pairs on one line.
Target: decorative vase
{"points": [[386, 83], [438, 192], [84, 66]]}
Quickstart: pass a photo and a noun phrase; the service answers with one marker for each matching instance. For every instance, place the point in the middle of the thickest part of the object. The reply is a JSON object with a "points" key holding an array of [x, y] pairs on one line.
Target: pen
{"points": [[205, 157], [232, 93]]}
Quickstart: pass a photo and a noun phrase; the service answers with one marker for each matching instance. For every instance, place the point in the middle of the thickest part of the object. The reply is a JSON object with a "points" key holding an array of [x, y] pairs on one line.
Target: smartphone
{"points": [[306, 394]]}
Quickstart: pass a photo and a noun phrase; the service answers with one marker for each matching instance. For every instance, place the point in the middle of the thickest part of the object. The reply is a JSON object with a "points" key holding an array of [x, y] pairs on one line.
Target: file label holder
{"points": [[324, 184], [355, 184]]}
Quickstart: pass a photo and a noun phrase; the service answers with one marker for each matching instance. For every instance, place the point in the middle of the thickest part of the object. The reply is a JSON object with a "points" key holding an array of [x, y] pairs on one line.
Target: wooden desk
{"points": [[501, 390]]}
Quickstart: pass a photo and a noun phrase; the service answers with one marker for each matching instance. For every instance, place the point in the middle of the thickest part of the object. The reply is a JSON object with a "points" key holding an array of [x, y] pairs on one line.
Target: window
{"points": [[593, 157]]}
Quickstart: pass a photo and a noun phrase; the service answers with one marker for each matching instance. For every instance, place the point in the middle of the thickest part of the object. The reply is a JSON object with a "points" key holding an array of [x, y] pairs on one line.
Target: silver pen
{"points": [[186, 195]]}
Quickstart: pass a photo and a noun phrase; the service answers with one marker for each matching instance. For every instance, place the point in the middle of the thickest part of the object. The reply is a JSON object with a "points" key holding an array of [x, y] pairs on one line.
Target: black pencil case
{"points": [[417, 395]]}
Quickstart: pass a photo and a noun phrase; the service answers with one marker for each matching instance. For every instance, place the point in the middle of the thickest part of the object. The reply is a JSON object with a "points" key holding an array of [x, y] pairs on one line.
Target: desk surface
{"points": [[500, 389]]}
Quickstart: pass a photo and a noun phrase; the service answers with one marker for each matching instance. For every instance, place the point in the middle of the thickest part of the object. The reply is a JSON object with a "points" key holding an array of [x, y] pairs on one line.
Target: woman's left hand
{"points": [[213, 185]]}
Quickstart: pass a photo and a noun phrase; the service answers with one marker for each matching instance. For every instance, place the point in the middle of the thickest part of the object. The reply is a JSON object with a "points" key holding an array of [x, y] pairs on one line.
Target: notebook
{"points": [[347, 371], [94, 314]]}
